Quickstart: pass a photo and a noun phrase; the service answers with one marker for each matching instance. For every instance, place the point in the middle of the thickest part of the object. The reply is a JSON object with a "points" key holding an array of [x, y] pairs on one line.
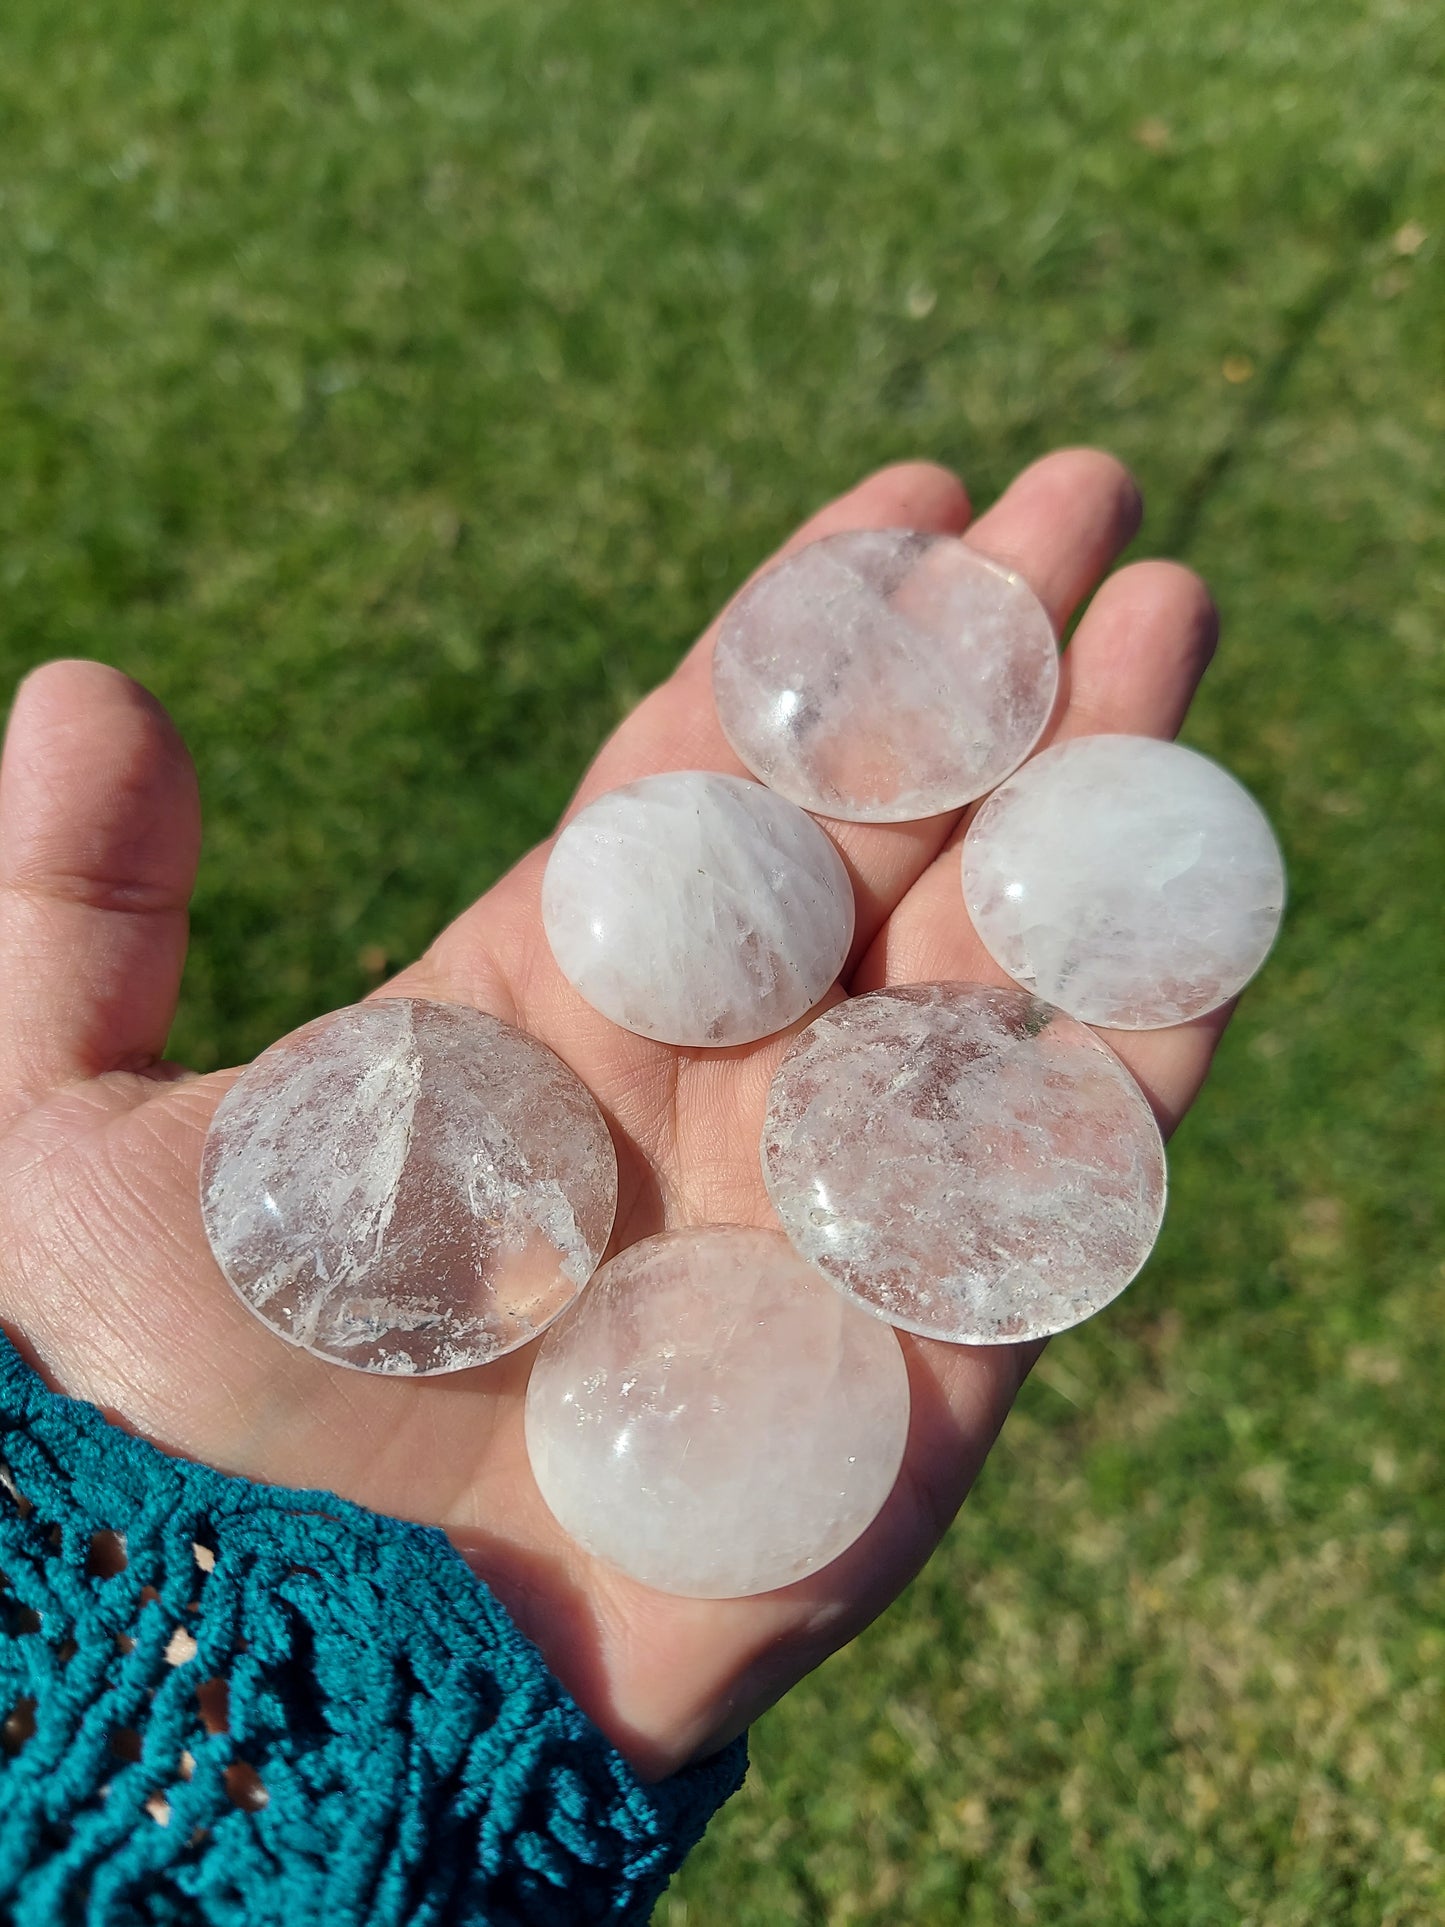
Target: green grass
{"points": [[397, 387]]}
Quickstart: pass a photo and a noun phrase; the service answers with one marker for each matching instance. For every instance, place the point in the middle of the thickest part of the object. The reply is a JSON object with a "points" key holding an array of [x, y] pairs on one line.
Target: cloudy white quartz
{"points": [[408, 1187], [697, 909], [713, 1418], [1132, 882], [882, 675]]}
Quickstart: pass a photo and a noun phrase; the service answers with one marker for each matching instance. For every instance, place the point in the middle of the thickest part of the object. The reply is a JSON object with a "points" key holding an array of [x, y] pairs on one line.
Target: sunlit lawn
{"points": [[397, 388]]}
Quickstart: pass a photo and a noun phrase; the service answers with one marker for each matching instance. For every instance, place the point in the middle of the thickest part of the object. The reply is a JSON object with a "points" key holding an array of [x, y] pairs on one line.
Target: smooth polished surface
{"points": [[881, 675], [966, 1162], [697, 909], [712, 1418], [1132, 882], [408, 1187]]}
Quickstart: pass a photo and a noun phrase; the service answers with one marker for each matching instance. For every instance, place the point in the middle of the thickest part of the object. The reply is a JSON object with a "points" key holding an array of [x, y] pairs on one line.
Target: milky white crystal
{"points": [[966, 1162], [712, 1418], [408, 1187], [882, 675], [697, 909], [1132, 882]]}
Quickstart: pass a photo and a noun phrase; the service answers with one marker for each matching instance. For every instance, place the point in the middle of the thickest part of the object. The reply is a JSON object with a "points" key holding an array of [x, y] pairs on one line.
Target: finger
{"points": [[99, 840], [1139, 653], [1133, 666], [1062, 523]]}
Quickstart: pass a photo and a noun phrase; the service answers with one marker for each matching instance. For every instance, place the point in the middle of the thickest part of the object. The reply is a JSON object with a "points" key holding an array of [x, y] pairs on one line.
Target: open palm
{"points": [[106, 1281]]}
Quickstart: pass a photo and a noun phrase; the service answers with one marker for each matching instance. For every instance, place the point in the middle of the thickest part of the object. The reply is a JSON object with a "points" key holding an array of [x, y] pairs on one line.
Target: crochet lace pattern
{"points": [[231, 1703]]}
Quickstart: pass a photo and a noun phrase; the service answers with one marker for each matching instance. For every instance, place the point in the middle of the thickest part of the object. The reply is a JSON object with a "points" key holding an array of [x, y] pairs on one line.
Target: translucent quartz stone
{"points": [[697, 909], [712, 1418], [408, 1187], [1133, 883], [880, 675], [966, 1162]]}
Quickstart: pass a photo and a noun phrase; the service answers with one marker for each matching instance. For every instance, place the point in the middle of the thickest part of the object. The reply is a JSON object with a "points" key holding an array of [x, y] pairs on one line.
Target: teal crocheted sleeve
{"points": [[256, 1706]]}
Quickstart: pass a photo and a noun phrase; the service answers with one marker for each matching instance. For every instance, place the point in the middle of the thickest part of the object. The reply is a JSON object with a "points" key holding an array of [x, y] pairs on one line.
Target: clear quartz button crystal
{"points": [[712, 1418], [408, 1187], [881, 675], [697, 909], [965, 1162], [1132, 882]]}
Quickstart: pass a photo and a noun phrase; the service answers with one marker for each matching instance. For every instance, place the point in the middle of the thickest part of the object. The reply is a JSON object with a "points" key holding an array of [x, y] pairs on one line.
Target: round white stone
{"points": [[712, 1418], [966, 1162], [1133, 883], [408, 1187], [881, 675], [697, 909]]}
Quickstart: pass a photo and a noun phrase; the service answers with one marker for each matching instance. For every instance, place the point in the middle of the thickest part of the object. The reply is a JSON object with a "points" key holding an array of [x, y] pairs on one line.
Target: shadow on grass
{"points": [[1369, 217]]}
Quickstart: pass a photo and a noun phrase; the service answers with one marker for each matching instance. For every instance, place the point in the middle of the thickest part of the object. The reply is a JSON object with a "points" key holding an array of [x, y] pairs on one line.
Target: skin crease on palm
{"points": [[106, 1282]]}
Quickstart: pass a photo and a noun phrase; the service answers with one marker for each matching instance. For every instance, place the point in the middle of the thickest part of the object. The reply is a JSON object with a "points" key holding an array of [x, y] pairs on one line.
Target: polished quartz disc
{"points": [[1134, 883], [697, 909], [712, 1418], [408, 1187], [881, 675], [966, 1162]]}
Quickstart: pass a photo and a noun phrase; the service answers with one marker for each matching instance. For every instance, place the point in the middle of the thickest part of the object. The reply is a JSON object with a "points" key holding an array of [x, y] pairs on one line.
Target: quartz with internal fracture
{"points": [[408, 1187], [697, 909], [712, 1418], [966, 1162], [1132, 882], [882, 675]]}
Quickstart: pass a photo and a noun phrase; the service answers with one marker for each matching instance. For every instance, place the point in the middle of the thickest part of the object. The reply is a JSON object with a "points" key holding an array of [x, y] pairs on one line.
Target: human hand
{"points": [[106, 1279]]}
